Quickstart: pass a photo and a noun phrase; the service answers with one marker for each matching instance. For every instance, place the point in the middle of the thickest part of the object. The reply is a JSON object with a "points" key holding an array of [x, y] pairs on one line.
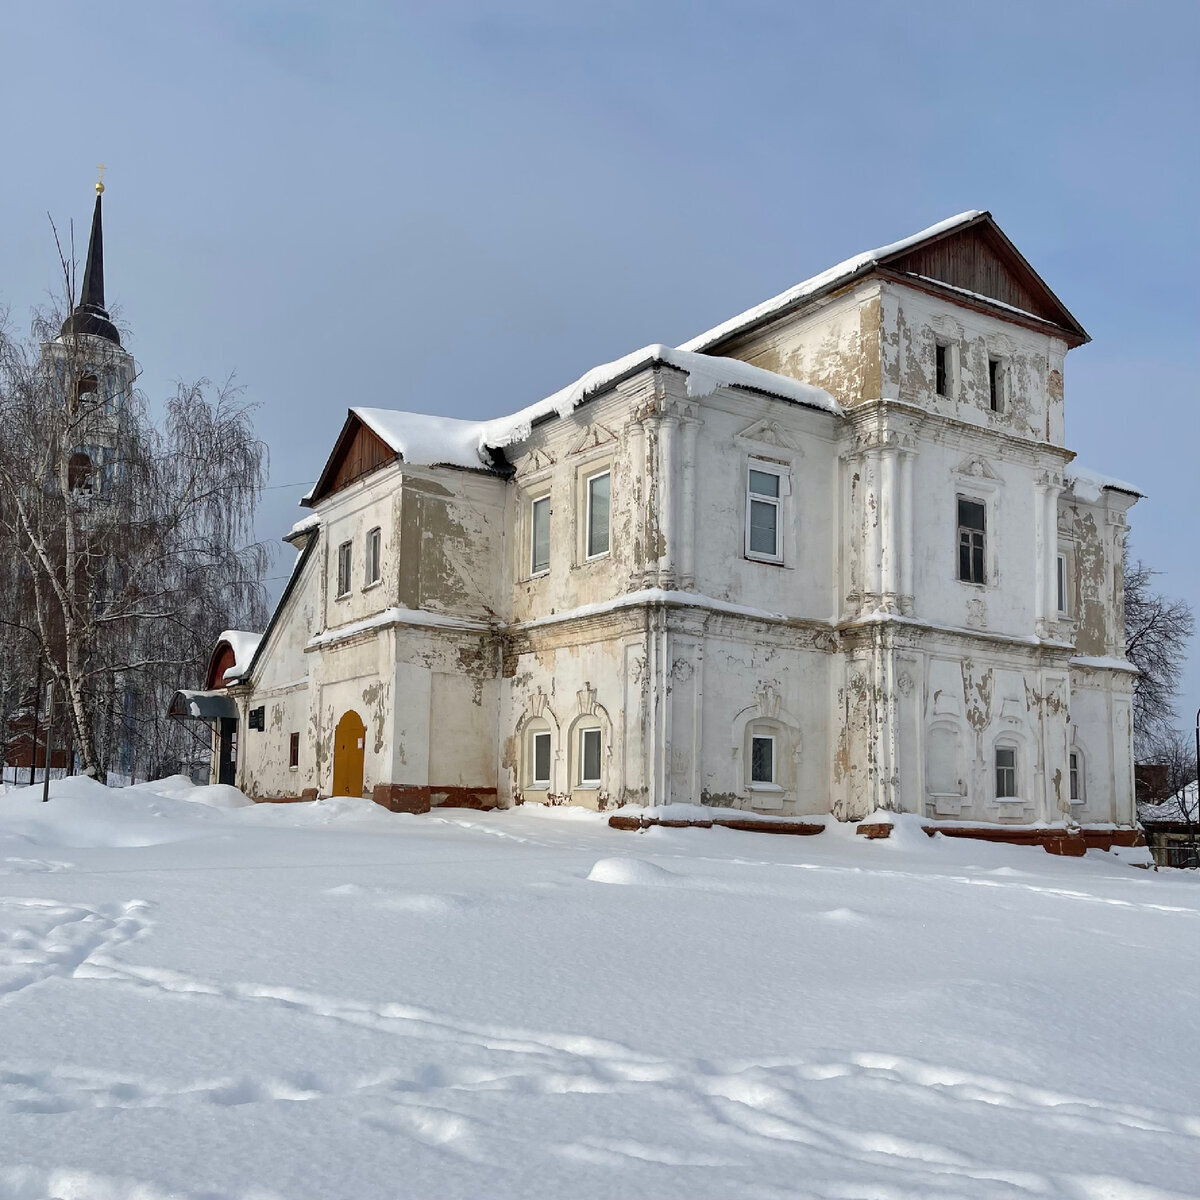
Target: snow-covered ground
{"points": [[205, 1000]]}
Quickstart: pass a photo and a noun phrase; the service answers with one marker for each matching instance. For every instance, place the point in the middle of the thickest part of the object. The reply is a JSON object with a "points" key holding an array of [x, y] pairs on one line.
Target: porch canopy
{"points": [[202, 706]]}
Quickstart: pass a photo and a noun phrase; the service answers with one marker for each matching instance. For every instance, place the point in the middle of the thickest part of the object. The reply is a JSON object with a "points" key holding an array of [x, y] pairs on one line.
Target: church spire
{"points": [[89, 315]]}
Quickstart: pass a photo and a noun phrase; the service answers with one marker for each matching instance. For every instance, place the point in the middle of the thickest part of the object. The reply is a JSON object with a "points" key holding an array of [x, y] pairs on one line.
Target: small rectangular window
{"points": [[763, 503], [995, 383], [1076, 795], [972, 531], [539, 523], [1062, 584], [762, 759], [345, 554], [1006, 772], [589, 757], [598, 497], [541, 759], [372, 556], [942, 379], [294, 751]]}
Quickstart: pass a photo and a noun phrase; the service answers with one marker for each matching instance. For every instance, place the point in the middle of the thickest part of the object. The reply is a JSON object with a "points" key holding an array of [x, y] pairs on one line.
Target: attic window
{"points": [[942, 378], [995, 384]]}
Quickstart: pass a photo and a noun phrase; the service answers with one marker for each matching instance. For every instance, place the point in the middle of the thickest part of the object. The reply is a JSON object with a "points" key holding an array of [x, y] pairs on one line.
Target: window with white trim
{"points": [[941, 368], [344, 562], [590, 745], [539, 535], [1006, 772], [762, 759], [599, 495], [766, 486], [996, 384], [539, 759], [372, 556], [1076, 775], [972, 540], [1062, 584]]}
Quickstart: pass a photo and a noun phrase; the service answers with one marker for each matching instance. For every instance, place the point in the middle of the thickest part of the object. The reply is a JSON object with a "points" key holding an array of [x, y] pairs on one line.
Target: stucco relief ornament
{"points": [[768, 699], [537, 703], [905, 683], [587, 699], [977, 614]]}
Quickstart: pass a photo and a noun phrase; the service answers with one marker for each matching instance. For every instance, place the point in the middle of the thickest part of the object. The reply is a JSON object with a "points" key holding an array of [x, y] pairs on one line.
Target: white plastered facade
{"points": [[881, 679]]}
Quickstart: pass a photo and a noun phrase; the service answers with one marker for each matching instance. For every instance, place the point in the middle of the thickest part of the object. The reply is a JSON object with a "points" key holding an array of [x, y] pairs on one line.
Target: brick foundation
{"points": [[410, 798], [747, 824], [1072, 843], [305, 797]]}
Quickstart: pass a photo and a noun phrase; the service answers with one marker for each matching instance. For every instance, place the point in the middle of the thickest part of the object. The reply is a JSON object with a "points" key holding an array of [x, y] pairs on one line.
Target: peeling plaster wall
{"points": [[282, 685], [739, 428], [1092, 536], [912, 323], [562, 678], [834, 345], [557, 460]]}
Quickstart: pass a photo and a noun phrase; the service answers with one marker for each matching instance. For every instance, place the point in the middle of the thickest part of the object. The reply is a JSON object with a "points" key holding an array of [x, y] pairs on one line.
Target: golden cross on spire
{"points": [[100, 182]]}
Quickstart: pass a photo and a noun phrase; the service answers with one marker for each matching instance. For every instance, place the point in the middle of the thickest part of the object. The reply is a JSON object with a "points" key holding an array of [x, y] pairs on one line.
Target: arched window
{"points": [[539, 755], [80, 472], [87, 388], [767, 753]]}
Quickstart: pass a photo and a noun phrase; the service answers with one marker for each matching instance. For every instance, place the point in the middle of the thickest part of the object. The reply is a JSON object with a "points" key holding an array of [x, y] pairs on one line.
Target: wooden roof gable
{"points": [[976, 264], [358, 451]]}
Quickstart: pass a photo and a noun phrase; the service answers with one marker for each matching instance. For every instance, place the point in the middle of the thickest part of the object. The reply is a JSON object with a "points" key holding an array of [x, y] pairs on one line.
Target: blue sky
{"points": [[458, 208]]}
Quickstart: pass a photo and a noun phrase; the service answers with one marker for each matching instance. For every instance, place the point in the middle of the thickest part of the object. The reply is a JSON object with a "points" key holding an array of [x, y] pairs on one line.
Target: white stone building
{"points": [[830, 556]]}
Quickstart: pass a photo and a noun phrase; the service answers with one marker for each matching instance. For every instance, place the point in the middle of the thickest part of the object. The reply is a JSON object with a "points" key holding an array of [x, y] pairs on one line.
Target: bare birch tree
{"points": [[1157, 631], [129, 544]]}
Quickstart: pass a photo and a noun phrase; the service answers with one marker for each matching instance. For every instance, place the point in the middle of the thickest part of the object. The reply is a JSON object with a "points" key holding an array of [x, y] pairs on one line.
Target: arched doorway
{"points": [[349, 747]]}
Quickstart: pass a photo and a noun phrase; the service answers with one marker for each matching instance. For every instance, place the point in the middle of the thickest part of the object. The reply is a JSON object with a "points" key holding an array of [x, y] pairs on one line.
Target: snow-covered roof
{"points": [[426, 441], [1088, 484], [243, 644], [1172, 809], [423, 440], [819, 283], [303, 526]]}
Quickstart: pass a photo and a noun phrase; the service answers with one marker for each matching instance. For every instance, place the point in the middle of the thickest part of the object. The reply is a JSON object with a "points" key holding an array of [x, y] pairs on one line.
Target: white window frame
{"points": [[1076, 778], [534, 570], [374, 557], [1001, 383], [344, 578], [589, 556], [958, 532], [1015, 794], [773, 782], [1061, 584], [586, 732], [784, 476], [947, 373], [534, 782]]}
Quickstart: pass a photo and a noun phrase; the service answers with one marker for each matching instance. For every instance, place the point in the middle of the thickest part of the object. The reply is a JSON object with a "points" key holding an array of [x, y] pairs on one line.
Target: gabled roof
{"points": [[381, 435], [966, 258]]}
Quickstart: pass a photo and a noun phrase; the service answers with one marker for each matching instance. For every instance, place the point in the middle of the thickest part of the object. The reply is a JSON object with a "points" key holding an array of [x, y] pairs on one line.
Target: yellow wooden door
{"points": [[349, 748]]}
